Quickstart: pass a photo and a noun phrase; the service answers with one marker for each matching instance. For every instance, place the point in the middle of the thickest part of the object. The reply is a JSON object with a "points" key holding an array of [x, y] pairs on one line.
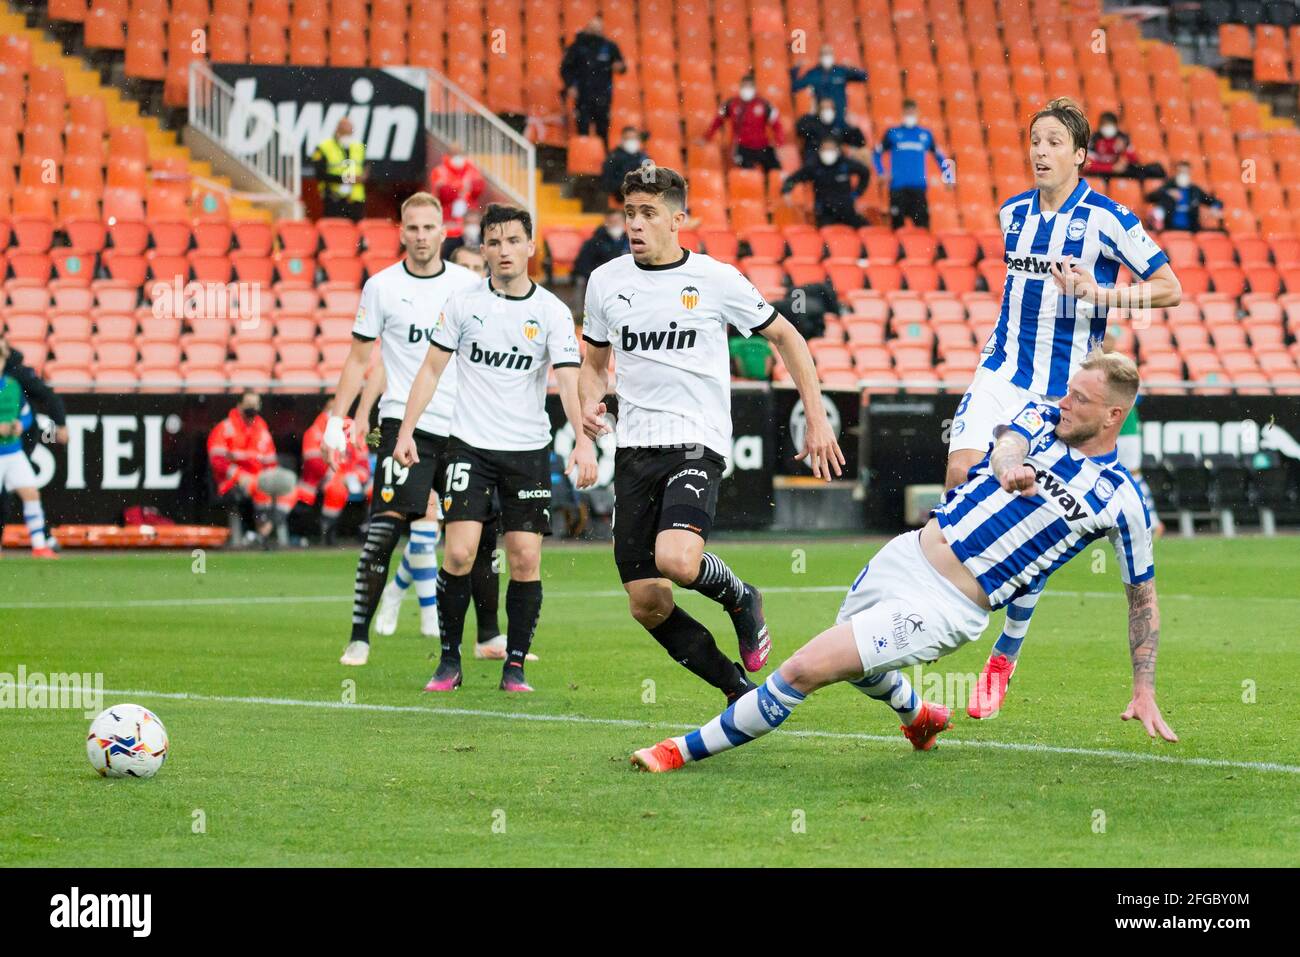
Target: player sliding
{"points": [[664, 312], [1050, 486], [399, 306], [1064, 245], [505, 334]]}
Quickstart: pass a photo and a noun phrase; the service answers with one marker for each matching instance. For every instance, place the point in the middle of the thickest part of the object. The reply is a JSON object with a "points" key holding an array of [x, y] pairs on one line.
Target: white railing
{"points": [[506, 158], [252, 140]]}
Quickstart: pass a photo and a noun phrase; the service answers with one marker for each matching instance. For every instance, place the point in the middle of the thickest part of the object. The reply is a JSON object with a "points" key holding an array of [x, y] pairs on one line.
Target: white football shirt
{"points": [[667, 326], [401, 311], [503, 345]]}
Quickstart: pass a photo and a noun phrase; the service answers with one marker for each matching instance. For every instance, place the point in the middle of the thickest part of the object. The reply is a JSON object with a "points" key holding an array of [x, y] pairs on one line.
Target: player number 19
{"points": [[395, 473]]}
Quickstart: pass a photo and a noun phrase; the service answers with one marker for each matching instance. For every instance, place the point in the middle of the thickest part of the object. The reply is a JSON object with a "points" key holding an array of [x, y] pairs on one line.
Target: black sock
{"points": [[453, 603], [718, 582], [487, 585], [372, 571], [690, 644], [523, 608]]}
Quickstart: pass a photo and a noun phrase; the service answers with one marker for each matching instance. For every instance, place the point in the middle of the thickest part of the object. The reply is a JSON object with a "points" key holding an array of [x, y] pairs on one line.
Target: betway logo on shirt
{"points": [[504, 360], [1053, 486], [415, 334], [658, 339], [1031, 266]]}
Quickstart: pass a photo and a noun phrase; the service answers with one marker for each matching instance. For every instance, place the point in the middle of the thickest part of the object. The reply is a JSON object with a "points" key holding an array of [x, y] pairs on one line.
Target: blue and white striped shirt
{"points": [[1011, 543], [1043, 335]]}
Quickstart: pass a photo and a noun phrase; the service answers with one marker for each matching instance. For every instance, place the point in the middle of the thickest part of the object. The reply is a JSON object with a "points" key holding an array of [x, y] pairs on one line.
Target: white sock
{"points": [[421, 561], [893, 689], [34, 516]]}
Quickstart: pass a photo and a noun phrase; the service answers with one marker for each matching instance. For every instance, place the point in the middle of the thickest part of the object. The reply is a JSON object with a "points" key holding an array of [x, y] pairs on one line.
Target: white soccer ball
{"points": [[127, 741]]}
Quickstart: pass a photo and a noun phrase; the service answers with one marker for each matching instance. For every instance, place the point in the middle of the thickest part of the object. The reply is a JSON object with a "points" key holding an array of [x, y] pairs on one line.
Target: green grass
{"points": [[284, 784]]}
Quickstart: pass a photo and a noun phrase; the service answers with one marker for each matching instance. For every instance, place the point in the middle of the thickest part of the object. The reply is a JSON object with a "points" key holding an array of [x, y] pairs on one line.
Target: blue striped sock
{"points": [[1016, 627], [421, 561], [403, 578], [895, 690], [751, 716], [34, 516]]}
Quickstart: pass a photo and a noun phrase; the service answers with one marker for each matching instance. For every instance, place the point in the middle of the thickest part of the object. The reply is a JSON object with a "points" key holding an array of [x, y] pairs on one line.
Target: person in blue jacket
{"points": [[828, 80], [907, 145]]}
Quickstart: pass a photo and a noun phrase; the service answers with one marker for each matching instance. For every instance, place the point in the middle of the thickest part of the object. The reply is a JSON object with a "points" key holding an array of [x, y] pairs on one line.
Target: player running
{"points": [[1051, 485], [505, 335], [1065, 244], [664, 312], [18, 382], [399, 307]]}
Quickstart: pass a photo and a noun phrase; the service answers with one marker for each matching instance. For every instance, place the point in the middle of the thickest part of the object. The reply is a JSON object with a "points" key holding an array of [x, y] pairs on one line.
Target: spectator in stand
{"points": [[471, 257], [837, 181], [828, 80], [609, 241], [624, 158], [1111, 154], [471, 233], [459, 186], [347, 477], [755, 128], [241, 454], [588, 71], [751, 357], [341, 172], [1177, 203], [907, 145], [814, 127]]}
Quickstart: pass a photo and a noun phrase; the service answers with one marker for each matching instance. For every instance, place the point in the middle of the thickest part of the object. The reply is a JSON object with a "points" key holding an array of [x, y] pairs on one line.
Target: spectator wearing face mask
{"points": [[609, 241], [828, 80], [588, 73], [1177, 203], [624, 158], [471, 235], [907, 145], [837, 182], [755, 127], [812, 128], [1111, 154], [459, 186], [241, 454], [340, 167]]}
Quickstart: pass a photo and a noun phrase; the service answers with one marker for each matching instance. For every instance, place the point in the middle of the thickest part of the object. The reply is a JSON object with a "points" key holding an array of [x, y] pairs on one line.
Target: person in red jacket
{"points": [[350, 476], [459, 186], [240, 448], [755, 127], [1111, 153]]}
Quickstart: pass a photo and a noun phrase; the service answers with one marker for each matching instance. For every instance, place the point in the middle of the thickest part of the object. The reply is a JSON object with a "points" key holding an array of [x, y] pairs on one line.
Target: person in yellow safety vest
{"points": [[341, 171]]}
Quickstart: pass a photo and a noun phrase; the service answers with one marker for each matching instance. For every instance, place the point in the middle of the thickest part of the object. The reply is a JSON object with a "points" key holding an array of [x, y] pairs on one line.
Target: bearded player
{"points": [[1065, 244], [1050, 486]]}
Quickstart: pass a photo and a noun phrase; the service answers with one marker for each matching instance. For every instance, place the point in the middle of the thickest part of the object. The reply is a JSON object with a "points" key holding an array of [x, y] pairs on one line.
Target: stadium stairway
{"points": [[23, 47]]}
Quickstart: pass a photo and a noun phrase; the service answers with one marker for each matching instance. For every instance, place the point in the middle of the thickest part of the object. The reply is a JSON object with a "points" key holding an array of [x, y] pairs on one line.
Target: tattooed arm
{"points": [[1008, 462], [1143, 639]]}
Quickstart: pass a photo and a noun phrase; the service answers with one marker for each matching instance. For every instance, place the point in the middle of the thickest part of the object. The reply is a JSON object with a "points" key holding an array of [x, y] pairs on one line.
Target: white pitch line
{"points": [[1108, 753], [237, 600]]}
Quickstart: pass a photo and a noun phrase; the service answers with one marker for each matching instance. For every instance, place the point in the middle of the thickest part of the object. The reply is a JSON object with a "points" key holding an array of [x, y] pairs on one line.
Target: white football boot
{"points": [[495, 649], [390, 608], [356, 653]]}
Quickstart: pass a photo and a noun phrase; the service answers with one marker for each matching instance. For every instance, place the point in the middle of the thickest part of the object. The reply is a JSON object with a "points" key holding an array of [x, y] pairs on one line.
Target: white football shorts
{"points": [[904, 612], [989, 402], [16, 472]]}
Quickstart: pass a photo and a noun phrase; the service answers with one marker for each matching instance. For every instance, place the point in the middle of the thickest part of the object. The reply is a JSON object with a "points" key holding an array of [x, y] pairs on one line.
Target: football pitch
{"points": [[282, 757]]}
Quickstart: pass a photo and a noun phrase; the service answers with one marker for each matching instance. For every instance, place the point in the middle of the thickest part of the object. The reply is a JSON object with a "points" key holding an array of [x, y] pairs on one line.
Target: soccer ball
{"points": [[127, 741]]}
